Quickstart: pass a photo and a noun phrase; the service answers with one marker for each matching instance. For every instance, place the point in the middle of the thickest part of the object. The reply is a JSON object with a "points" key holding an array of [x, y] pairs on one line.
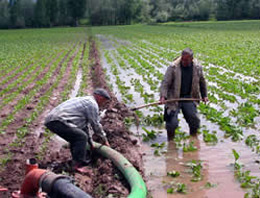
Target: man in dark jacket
{"points": [[71, 119], [183, 79]]}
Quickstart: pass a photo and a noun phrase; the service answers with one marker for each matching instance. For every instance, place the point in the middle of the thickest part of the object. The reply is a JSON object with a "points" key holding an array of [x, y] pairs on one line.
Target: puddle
{"points": [[216, 162]]}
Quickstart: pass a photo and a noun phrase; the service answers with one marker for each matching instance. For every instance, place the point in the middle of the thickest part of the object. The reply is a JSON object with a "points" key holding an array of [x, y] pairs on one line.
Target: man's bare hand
{"points": [[107, 143], [205, 100], [162, 100]]}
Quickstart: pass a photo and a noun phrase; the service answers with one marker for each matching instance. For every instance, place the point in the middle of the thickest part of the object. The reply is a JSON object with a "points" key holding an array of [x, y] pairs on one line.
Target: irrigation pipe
{"points": [[138, 187]]}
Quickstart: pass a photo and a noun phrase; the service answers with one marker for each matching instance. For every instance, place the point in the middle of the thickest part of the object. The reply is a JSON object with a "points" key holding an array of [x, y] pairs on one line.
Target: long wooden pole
{"points": [[166, 101]]}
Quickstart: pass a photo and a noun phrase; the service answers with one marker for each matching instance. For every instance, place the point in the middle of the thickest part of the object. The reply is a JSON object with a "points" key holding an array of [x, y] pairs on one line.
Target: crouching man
{"points": [[70, 121]]}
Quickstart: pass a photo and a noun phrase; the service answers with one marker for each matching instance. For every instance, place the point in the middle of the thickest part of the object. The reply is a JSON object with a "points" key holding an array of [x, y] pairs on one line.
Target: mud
{"points": [[103, 178], [118, 136]]}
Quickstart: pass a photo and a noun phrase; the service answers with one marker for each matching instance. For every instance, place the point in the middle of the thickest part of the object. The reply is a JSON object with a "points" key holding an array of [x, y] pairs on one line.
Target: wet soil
{"points": [[107, 179], [103, 177]]}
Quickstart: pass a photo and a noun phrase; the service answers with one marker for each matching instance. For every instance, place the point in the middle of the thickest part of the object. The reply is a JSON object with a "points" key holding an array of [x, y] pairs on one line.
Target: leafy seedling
{"points": [[189, 147], [149, 135], [173, 173]]}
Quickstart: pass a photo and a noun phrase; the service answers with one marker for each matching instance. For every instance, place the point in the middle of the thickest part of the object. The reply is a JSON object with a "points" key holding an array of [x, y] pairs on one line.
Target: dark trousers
{"points": [[75, 136], [189, 111]]}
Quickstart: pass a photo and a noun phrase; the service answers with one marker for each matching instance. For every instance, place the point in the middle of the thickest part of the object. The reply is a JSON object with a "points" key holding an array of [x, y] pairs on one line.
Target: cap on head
{"points": [[102, 92], [187, 51]]}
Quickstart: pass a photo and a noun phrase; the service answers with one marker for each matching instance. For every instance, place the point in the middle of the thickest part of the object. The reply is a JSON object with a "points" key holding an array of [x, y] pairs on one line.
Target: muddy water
{"points": [[76, 87], [216, 161]]}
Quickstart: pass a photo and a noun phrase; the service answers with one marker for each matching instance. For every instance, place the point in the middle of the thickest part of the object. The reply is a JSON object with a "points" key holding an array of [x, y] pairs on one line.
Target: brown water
{"points": [[216, 160]]}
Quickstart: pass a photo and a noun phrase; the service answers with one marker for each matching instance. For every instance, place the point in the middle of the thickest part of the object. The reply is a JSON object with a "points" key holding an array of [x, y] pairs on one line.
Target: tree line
{"points": [[49, 13]]}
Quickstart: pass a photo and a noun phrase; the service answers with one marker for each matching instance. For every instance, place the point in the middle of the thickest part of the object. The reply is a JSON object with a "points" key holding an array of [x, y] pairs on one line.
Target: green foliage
{"points": [[225, 122], [173, 174], [149, 135], [253, 143], [246, 180], [209, 137], [236, 155], [245, 114], [180, 136], [158, 148], [128, 121], [179, 188], [157, 145], [189, 147], [154, 120], [210, 185], [196, 167], [255, 192], [236, 164]]}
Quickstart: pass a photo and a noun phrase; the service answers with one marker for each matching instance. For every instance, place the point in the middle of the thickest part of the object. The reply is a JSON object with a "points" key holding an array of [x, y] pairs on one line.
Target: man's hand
{"points": [[162, 100], [205, 99], [91, 144], [107, 143]]}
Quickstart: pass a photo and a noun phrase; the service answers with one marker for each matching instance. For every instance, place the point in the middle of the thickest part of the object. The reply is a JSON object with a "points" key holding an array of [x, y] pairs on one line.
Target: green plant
{"points": [[173, 173], [149, 135], [158, 146], [189, 147], [209, 137], [210, 185], [179, 188], [236, 155], [196, 167]]}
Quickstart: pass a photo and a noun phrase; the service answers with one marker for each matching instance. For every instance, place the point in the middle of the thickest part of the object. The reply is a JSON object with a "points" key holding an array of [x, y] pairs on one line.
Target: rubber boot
{"points": [[170, 134], [193, 132]]}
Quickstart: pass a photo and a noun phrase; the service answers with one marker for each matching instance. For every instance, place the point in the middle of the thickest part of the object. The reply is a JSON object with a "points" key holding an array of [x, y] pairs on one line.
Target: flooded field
{"points": [[202, 166]]}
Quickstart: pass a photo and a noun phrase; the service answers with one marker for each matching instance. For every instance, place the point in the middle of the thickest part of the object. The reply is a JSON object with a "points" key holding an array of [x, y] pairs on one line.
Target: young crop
{"points": [[235, 132], [158, 148], [148, 135], [196, 167], [173, 174], [236, 164], [253, 142], [154, 120], [210, 185], [189, 147], [246, 180], [245, 114], [180, 136], [210, 137], [177, 188]]}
